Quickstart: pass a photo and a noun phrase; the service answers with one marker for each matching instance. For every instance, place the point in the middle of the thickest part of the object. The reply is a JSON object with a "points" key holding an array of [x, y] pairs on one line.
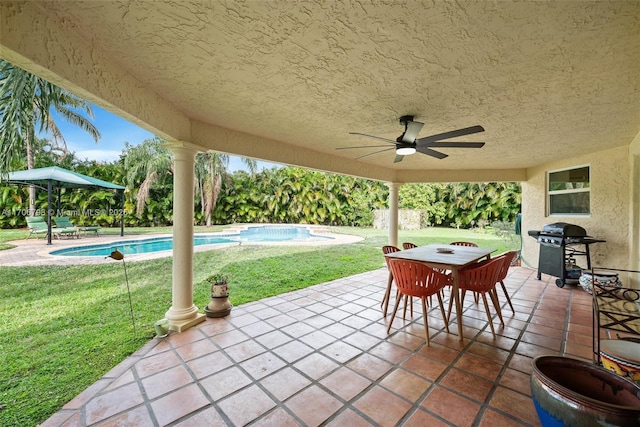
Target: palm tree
{"points": [[26, 102], [148, 164], [210, 169]]}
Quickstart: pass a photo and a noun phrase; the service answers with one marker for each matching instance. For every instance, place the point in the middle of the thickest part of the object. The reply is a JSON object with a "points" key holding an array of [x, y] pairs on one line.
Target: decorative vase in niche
{"points": [[571, 392], [219, 305]]}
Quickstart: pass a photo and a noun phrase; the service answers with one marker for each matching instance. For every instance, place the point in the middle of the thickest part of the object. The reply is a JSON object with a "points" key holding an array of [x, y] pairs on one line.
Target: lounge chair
{"points": [[65, 228], [37, 225], [65, 222]]}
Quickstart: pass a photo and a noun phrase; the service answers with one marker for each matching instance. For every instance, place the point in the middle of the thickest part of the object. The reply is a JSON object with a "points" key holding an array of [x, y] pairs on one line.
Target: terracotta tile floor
{"points": [[321, 356]]}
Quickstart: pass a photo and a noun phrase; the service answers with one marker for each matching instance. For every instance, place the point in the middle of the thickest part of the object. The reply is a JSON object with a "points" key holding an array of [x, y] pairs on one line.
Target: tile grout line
{"points": [[485, 405], [290, 365]]}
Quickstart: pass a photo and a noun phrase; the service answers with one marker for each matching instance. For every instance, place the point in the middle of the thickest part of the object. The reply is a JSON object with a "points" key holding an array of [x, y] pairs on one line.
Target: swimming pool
{"points": [[256, 234]]}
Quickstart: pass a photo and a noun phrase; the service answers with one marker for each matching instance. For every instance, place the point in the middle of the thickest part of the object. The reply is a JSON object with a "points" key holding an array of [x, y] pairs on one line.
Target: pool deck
{"points": [[35, 252]]}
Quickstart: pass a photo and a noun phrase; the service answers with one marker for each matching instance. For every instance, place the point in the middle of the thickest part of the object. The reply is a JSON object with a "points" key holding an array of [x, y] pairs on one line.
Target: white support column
{"points": [[394, 188], [183, 313]]}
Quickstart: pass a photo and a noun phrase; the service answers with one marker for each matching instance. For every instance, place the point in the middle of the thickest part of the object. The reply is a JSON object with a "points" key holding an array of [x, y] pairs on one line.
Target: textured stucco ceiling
{"points": [[287, 81]]}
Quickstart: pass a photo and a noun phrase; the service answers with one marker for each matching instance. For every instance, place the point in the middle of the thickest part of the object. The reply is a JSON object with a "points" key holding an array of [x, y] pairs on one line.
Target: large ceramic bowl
{"points": [[606, 279], [571, 392], [621, 357]]}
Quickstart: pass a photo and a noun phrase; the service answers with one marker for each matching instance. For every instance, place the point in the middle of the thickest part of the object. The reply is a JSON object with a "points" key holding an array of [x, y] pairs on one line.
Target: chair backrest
{"points": [[482, 276], [63, 221], [409, 245], [507, 259], [37, 223], [470, 244], [415, 278], [389, 249]]}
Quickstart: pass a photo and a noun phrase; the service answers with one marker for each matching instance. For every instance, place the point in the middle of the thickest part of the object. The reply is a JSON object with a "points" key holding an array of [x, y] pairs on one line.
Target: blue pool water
{"points": [[266, 233]]}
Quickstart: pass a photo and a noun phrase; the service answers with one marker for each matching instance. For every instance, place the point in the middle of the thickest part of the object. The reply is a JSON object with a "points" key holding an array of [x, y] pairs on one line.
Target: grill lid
{"points": [[564, 229]]}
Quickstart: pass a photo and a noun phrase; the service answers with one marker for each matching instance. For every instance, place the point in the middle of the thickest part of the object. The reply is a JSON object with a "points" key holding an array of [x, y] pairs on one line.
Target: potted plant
{"points": [[219, 305]]}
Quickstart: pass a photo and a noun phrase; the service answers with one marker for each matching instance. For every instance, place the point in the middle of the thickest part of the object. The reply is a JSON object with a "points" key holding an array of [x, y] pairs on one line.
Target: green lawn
{"points": [[64, 327]]}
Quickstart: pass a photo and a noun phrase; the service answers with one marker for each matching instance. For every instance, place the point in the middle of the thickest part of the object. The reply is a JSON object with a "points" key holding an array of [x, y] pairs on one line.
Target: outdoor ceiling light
{"points": [[405, 151]]}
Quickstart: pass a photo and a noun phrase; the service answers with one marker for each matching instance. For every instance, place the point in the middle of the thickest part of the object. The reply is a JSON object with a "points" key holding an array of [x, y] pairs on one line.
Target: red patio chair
{"points": [[387, 294], [470, 244], [481, 278], [415, 279], [508, 258]]}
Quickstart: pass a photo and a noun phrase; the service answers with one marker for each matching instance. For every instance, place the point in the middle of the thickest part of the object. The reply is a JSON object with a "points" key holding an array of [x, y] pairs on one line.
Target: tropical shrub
{"points": [[277, 195]]}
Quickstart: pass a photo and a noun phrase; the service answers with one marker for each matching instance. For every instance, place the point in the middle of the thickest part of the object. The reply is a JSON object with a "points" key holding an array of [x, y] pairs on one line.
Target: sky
{"points": [[114, 132]]}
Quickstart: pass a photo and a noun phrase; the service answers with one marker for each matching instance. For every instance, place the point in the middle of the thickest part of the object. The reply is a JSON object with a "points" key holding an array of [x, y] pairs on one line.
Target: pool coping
{"points": [[34, 252]]}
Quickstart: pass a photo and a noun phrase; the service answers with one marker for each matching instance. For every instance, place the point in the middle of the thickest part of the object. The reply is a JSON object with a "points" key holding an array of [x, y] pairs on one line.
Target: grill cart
{"points": [[558, 250]]}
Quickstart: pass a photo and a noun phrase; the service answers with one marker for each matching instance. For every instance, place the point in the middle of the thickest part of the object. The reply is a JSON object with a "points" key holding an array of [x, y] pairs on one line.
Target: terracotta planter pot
{"points": [[219, 305], [568, 391]]}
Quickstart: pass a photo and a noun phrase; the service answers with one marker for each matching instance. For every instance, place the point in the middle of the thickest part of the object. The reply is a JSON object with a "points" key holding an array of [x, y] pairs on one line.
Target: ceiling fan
{"points": [[407, 144]]}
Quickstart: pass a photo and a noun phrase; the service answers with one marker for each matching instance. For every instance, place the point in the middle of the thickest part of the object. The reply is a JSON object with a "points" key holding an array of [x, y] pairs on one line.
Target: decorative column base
{"points": [[184, 324], [182, 319]]}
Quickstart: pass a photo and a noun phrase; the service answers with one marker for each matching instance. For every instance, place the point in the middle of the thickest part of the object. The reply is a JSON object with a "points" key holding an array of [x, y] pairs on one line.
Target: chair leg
{"points": [[506, 294], [404, 313], [408, 301], [462, 295], [424, 318], [486, 308], [411, 305], [387, 296], [393, 315], [494, 298], [446, 320]]}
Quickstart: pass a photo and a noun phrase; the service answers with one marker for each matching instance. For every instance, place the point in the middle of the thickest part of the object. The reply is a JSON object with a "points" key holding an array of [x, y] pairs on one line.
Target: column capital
{"points": [[179, 148], [394, 185]]}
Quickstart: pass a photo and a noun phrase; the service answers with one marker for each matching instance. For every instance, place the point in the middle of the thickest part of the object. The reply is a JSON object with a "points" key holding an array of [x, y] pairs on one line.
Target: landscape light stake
{"points": [[117, 255]]}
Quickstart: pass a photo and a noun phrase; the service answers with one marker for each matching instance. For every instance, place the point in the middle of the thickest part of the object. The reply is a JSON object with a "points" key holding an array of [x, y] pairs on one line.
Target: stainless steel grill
{"points": [[557, 249]]}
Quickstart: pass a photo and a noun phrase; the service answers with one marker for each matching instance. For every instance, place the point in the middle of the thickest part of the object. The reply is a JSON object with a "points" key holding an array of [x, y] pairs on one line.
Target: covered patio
{"points": [[321, 356], [554, 85]]}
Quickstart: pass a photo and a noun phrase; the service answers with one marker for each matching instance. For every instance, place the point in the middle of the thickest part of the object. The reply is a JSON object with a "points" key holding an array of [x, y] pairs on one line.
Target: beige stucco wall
{"points": [[634, 208], [612, 213]]}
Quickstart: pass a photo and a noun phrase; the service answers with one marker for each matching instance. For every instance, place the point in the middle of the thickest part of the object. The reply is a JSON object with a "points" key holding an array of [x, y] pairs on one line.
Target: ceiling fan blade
{"points": [[450, 134], [376, 152], [374, 137], [430, 152], [362, 146], [398, 158], [453, 144], [413, 129]]}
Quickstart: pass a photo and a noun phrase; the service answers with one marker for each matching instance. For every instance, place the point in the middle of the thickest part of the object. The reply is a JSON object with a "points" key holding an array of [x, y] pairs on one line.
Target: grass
{"points": [[62, 329]]}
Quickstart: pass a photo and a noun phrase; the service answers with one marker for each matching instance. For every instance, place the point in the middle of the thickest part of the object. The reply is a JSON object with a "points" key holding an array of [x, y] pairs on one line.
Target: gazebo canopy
{"points": [[61, 178], [56, 177]]}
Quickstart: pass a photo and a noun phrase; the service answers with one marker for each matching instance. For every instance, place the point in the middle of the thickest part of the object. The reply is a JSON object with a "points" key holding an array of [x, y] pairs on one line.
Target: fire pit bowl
{"points": [[568, 391]]}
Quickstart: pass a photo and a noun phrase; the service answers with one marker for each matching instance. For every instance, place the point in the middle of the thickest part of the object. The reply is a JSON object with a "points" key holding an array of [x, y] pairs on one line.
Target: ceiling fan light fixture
{"points": [[405, 151]]}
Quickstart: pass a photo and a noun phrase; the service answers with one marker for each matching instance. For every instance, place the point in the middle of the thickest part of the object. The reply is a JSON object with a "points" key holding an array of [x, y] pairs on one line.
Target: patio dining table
{"points": [[446, 257]]}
